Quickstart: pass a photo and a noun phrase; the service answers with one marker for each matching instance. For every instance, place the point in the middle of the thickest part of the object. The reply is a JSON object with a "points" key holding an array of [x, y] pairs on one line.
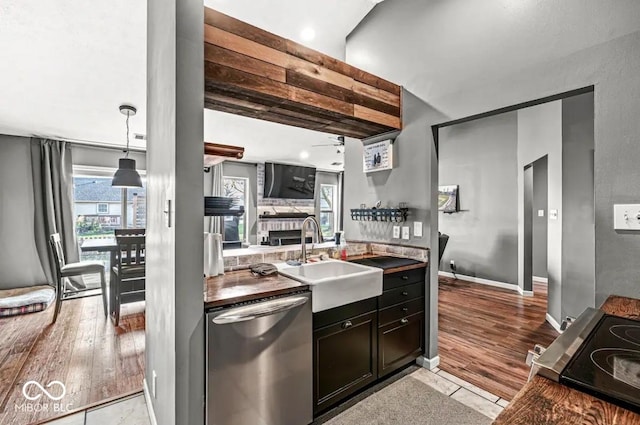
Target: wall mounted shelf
{"points": [[219, 212], [279, 216], [380, 214]]}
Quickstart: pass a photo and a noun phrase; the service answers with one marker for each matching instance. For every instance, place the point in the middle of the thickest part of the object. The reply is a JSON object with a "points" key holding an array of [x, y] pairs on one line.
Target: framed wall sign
{"points": [[377, 156]]}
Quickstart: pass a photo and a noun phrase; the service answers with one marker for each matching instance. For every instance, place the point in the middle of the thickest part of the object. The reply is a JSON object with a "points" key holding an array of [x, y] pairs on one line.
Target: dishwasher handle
{"points": [[255, 311]]}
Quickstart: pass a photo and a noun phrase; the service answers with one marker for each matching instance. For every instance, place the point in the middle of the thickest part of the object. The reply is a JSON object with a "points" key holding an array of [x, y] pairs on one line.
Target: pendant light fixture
{"points": [[127, 176]]}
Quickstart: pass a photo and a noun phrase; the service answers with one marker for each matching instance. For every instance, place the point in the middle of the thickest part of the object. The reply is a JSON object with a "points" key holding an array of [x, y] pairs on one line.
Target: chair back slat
{"points": [[58, 252], [129, 232], [131, 250]]}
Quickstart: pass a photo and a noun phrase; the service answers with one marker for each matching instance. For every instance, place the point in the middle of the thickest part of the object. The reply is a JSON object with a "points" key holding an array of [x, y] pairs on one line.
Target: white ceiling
{"points": [[71, 63]]}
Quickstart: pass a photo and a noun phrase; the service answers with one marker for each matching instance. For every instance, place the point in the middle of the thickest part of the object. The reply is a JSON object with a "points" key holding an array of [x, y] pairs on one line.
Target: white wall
{"points": [[91, 156]]}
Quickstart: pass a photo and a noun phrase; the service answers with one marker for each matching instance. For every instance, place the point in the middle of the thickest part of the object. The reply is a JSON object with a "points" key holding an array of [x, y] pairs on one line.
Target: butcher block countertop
{"points": [[543, 401], [241, 286]]}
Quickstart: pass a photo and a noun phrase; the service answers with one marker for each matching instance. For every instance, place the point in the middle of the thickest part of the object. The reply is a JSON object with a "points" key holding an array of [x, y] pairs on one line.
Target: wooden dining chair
{"points": [[65, 270], [128, 283]]}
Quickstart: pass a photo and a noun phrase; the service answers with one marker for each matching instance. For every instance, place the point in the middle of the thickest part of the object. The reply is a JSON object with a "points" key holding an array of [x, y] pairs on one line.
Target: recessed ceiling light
{"points": [[308, 34], [304, 155]]}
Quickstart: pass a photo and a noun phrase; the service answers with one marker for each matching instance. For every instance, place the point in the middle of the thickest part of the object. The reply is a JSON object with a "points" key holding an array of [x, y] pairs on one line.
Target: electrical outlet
{"points": [[154, 381], [452, 265], [396, 232], [405, 232]]}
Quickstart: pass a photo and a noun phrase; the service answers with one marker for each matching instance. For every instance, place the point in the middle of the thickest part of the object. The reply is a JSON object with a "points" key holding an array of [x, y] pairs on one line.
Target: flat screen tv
{"points": [[288, 181], [448, 198]]}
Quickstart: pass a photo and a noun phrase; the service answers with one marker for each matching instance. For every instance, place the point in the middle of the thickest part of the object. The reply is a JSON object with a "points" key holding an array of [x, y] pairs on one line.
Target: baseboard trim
{"points": [[147, 399], [482, 281], [553, 322], [426, 363], [525, 293], [544, 280]]}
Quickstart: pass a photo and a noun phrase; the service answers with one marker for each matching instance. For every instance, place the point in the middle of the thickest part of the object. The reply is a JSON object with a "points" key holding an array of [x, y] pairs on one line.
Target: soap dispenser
{"points": [[343, 247]]}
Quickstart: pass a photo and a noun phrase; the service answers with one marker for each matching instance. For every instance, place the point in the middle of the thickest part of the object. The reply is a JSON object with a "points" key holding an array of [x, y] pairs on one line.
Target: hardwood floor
{"points": [[485, 332], [93, 359]]}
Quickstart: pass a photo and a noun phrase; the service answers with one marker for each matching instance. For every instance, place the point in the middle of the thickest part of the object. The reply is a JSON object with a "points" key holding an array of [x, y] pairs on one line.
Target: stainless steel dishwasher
{"points": [[259, 363]]}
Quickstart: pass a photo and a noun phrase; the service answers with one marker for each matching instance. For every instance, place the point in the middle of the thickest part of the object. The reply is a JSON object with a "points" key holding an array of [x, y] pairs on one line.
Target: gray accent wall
{"points": [[480, 157], [416, 44], [540, 135], [20, 264], [175, 348], [415, 172], [540, 190], [578, 239]]}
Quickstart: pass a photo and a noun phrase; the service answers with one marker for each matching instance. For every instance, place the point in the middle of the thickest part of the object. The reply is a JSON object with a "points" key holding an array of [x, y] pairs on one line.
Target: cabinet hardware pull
{"points": [[405, 293], [405, 309], [347, 324], [404, 321], [405, 277]]}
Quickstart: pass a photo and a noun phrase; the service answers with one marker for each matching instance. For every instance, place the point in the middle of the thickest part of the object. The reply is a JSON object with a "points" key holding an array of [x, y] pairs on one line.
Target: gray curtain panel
{"points": [[53, 200], [19, 260], [213, 186]]}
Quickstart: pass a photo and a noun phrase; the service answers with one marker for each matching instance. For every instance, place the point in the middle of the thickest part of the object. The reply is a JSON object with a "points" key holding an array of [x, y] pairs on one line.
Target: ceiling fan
{"points": [[338, 142]]}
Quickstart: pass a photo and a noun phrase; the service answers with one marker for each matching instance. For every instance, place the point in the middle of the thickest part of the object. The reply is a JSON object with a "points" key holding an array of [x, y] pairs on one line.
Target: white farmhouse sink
{"points": [[335, 283]]}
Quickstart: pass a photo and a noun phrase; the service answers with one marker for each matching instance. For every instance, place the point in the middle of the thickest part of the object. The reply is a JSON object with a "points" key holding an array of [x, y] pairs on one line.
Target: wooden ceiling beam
{"points": [[252, 72]]}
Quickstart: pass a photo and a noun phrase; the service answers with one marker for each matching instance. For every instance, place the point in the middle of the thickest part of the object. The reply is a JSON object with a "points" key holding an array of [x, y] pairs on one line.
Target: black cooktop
{"points": [[608, 363], [386, 262]]}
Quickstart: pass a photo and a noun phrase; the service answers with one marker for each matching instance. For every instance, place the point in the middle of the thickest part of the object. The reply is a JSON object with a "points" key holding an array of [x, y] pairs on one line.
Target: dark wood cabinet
{"points": [[401, 320], [399, 343], [356, 344], [345, 358]]}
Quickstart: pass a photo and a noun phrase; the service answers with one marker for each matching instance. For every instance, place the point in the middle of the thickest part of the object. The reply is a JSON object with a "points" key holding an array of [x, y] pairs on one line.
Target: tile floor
{"points": [[133, 410], [128, 411], [468, 394]]}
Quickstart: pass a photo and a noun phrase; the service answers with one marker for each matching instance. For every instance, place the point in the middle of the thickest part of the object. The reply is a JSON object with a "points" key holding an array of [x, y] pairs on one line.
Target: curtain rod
{"points": [[92, 143]]}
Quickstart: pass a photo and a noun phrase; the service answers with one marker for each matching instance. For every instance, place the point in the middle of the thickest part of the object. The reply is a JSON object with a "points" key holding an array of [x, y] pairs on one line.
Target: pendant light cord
{"points": [[127, 153]]}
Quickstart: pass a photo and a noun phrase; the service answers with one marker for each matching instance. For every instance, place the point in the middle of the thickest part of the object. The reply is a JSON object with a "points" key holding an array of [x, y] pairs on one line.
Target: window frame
{"points": [[245, 237], [98, 205], [334, 207]]}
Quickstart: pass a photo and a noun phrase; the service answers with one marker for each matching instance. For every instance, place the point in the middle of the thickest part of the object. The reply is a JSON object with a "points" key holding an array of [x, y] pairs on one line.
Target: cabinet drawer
{"points": [[338, 314], [401, 294], [395, 280], [400, 343], [396, 312]]}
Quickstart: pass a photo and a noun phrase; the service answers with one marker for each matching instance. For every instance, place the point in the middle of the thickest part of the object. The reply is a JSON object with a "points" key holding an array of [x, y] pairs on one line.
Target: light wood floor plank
{"points": [[94, 359]]}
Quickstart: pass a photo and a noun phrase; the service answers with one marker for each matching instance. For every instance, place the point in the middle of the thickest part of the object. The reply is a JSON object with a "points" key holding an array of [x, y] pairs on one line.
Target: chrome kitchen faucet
{"points": [[303, 236]]}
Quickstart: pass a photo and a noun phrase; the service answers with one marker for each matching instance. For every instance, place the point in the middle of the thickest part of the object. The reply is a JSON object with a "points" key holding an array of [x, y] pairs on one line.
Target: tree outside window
{"points": [[328, 210], [235, 228]]}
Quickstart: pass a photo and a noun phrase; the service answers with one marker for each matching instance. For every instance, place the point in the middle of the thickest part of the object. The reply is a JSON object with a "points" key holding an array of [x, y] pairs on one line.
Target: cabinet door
{"points": [[345, 359], [400, 343]]}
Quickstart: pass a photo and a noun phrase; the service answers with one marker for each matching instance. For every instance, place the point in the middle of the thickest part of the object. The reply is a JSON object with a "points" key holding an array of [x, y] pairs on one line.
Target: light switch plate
{"points": [[405, 232], [417, 229], [540, 213], [626, 216], [396, 232], [553, 214]]}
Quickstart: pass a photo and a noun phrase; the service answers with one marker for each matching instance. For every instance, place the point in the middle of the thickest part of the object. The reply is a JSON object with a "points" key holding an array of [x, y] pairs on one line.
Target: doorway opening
{"points": [[509, 273]]}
